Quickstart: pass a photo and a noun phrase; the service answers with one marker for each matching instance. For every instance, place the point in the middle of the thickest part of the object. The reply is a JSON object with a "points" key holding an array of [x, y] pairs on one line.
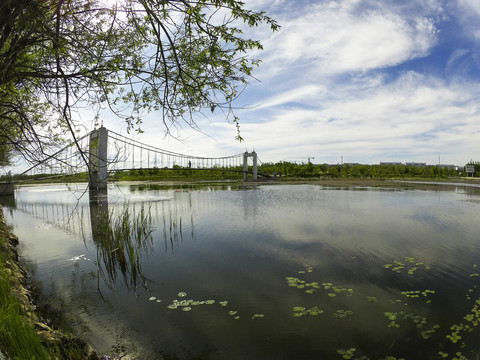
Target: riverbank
{"points": [[336, 182], [24, 334]]}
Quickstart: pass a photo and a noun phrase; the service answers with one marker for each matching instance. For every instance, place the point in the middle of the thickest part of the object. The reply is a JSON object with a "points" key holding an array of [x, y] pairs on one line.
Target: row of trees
{"points": [[355, 171], [279, 170], [60, 59]]}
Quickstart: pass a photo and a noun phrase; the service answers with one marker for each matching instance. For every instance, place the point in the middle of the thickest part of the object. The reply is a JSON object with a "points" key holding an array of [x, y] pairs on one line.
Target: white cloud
{"points": [[336, 37], [413, 115], [302, 94], [470, 5], [327, 89]]}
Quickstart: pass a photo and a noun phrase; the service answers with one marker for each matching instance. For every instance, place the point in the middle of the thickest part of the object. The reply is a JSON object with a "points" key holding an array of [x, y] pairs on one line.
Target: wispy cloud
{"points": [[335, 37]]}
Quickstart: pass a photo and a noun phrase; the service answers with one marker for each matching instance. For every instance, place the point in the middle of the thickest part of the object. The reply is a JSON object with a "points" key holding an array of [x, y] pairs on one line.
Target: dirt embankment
{"points": [[67, 347]]}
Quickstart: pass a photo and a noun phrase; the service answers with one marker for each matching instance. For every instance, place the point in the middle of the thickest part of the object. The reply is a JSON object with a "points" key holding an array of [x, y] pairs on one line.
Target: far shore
{"points": [[342, 182]]}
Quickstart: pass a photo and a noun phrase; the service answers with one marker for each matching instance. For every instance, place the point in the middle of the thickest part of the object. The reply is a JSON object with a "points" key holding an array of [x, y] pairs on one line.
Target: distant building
{"points": [[391, 163], [416, 164], [447, 166]]}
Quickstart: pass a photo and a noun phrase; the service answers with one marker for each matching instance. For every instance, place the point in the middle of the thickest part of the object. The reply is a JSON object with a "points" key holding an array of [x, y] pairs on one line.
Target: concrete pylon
{"points": [[253, 155], [98, 158]]}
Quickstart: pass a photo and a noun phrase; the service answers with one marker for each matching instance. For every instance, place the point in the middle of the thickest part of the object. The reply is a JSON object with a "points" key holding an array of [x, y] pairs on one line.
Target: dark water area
{"points": [[268, 272]]}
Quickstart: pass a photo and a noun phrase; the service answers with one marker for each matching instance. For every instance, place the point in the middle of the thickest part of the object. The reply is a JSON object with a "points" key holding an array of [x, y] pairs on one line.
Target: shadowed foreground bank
{"points": [[23, 332]]}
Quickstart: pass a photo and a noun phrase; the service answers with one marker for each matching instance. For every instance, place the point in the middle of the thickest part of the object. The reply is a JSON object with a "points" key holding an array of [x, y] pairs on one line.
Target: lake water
{"points": [[267, 272]]}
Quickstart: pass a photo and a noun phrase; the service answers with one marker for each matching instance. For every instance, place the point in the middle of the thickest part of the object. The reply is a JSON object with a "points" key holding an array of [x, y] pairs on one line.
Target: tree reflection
{"points": [[122, 236]]}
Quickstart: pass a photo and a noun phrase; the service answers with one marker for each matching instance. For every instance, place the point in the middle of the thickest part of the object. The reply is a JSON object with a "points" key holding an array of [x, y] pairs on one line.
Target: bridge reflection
{"points": [[122, 236], [127, 223], [121, 226]]}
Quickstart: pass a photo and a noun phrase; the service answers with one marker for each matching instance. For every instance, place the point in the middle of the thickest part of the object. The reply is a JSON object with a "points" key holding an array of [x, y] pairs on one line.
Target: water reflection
{"points": [[7, 201], [330, 269], [122, 237], [120, 224]]}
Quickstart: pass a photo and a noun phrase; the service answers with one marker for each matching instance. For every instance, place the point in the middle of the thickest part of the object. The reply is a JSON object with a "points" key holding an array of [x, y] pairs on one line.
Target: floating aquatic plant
{"points": [[255, 316], [187, 303], [409, 263], [346, 354], [152, 298], [308, 268], [455, 336], [393, 316], [443, 355], [419, 321], [300, 311], [427, 334], [182, 294], [342, 314], [416, 293], [314, 311]]}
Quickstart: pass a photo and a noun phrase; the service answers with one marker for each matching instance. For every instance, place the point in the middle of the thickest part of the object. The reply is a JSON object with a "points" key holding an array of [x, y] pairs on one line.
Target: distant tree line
{"points": [[279, 170], [288, 169], [178, 173]]}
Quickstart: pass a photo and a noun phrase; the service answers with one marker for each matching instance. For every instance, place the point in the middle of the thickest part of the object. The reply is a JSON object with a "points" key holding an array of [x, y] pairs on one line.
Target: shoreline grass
{"points": [[18, 337]]}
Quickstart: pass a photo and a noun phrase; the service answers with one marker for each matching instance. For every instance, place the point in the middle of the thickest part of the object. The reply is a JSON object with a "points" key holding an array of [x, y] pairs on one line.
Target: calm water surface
{"points": [[272, 272]]}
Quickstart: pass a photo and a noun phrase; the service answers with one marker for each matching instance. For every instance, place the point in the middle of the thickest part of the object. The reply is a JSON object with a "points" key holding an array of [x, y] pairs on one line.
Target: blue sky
{"points": [[363, 80]]}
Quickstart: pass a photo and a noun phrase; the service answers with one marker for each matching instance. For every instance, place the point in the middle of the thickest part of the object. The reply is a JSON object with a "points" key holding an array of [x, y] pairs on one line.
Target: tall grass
{"points": [[123, 237]]}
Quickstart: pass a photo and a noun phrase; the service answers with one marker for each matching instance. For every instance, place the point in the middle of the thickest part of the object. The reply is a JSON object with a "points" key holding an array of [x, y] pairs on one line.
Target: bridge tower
{"points": [[98, 158], [246, 155]]}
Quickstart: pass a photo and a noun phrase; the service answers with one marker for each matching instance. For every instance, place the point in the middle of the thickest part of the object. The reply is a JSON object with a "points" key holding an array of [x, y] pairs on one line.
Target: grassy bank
{"points": [[18, 338], [23, 335]]}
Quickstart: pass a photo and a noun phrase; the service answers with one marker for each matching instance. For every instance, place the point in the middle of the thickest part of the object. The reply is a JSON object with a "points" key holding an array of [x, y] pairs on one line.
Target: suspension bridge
{"points": [[103, 151]]}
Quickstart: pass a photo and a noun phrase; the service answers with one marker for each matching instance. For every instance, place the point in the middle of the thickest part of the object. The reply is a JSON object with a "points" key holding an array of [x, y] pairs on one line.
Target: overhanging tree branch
{"points": [[177, 56]]}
